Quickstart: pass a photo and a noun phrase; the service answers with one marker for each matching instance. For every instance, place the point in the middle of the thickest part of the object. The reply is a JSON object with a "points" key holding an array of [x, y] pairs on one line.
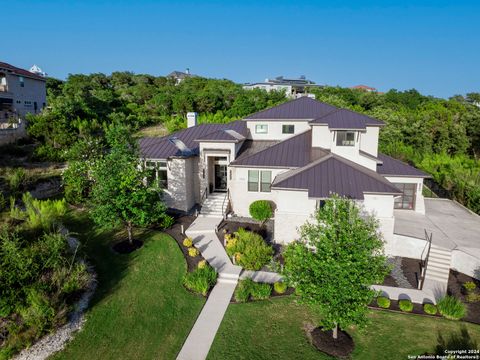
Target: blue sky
{"points": [[432, 46]]}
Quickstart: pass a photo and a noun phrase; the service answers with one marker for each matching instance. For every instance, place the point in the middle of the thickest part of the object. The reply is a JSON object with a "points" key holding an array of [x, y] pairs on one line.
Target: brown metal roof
{"points": [[225, 135], [21, 72], [347, 119], [394, 167], [334, 174], [303, 108], [296, 151], [163, 147]]}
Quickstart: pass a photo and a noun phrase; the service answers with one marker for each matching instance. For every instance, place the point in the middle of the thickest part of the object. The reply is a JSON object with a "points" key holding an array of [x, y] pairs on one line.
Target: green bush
{"points": [[248, 288], [16, 179], [200, 280], [469, 286], [280, 287], [261, 210], [430, 309], [451, 308], [383, 302], [3, 202], [43, 213], [405, 305], [250, 250], [242, 292], [261, 291]]}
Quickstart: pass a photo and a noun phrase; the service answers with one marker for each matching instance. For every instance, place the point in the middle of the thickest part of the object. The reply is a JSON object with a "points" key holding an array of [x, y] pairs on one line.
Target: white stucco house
{"points": [[295, 155]]}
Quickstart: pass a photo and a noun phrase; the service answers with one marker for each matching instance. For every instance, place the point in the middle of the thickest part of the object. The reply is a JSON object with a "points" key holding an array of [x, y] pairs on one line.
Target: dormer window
{"points": [[261, 129], [345, 138]]}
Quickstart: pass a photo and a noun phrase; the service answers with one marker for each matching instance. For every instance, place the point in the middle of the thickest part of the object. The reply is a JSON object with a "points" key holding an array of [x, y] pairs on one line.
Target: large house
{"points": [[291, 87], [21, 92], [296, 155]]}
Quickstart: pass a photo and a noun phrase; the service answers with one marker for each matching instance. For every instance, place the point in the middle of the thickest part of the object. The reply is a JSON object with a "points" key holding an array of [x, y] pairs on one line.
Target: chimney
{"points": [[187, 71], [191, 119]]}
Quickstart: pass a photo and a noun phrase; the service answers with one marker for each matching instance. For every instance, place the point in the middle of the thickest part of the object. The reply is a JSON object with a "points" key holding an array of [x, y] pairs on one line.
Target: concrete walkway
{"points": [[261, 276], [201, 337]]}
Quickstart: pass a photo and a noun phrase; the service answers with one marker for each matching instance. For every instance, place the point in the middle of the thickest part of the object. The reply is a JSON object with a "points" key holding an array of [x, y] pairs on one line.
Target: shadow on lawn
{"points": [[110, 267], [460, 340]]}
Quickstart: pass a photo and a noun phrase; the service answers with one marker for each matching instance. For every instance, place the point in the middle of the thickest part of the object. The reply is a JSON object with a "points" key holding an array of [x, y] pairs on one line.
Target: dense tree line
{"points": [[84, 104], [439, 136]]}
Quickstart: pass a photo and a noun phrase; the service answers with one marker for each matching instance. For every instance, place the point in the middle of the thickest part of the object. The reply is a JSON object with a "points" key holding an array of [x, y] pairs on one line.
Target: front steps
{"points": [[214, 205], [438, 270]]}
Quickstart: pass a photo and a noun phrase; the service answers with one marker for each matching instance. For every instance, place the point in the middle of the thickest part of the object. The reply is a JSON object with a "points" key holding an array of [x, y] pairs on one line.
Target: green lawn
{"points": [[140, 310], [273, 330]]}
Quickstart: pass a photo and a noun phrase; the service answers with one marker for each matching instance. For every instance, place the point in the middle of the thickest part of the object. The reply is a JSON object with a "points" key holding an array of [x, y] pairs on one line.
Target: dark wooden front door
{"points": [[220, 177]]}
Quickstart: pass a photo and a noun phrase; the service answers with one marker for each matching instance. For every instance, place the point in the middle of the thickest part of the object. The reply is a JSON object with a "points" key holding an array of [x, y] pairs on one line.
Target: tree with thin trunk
{"points": [[335, 262], [120, 195]]}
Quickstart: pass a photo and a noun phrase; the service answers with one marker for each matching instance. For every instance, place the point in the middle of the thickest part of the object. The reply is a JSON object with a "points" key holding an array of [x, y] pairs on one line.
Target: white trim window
{"points": [[261, 129], [259, 180], [345, 138], [157, 173], [288, 129]]}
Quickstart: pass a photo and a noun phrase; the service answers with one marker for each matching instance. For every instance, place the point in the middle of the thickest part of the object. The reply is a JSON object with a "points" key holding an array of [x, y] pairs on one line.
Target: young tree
{"points": [[339, 256], [119, 192]]}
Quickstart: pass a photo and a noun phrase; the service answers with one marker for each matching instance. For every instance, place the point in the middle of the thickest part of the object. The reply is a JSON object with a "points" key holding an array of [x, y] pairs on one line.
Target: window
{"points": [[261, 129], [288, 129], [252, 180], [259, 180], [22, 81], [345, 138], [407, 199], [265, 181], [157, 173]]}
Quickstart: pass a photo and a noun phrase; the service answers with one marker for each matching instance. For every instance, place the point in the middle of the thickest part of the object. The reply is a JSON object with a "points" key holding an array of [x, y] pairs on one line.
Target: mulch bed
{"points": [[125, 247], [411, 270], [341, 347], [455, 288], [175, 231], [394, 306]]}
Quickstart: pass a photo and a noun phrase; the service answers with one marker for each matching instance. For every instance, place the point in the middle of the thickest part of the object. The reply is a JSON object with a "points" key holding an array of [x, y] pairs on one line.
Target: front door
{"points": [[220, 177]]}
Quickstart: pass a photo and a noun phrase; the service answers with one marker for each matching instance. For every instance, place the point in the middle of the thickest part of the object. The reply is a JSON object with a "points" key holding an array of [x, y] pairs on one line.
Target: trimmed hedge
{"points": [[430, 309], [280, 287], [405, 305], [383, 302], [261, 210]]}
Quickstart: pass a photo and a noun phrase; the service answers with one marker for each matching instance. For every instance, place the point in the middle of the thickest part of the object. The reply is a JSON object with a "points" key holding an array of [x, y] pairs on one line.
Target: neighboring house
{"points": [[21, 92], [292, 87], [179, 76], [364, 88], [296, 155]]}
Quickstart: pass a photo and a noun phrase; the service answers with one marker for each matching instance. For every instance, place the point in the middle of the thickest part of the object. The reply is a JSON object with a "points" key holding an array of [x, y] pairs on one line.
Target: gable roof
{"points": [[303, 108], [346, 119], [394, 167], [163, 147], [334, 174], [20, 72], [296, 151], [223, 135]]}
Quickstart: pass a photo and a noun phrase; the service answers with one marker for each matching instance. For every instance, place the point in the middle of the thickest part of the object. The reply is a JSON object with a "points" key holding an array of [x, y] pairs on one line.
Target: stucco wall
{"points": [[381, 206], [419, 198], [321, 136], [275, 129], [33, 91], [369, 140], [181, 191]]}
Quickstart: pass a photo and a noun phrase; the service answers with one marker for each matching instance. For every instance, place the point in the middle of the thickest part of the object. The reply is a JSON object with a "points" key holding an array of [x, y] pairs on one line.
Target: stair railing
{"points": [[428, 246], [226, 198]]}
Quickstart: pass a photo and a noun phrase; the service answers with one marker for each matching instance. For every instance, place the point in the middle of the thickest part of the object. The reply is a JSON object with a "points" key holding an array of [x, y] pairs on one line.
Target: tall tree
{"points": [[332, 267], [120, 195]]}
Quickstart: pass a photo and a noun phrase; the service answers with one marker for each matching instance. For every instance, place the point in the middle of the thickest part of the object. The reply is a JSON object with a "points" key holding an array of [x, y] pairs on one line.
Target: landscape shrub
{"points": [[39, 213], [260, 291], [200, 280], [261, 210], [405, 305], [451, 308], [430, 309], [470, 288], [187, 242], [3, 202], [250, 250], [167, 221], [16, 179], [243, 290], [192, 252], [383, 302], [201, 264], [280, 287]]}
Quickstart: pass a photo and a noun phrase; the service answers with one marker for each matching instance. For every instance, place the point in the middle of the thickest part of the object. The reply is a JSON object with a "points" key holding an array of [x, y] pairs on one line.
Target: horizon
{"points": [[382, 45]]}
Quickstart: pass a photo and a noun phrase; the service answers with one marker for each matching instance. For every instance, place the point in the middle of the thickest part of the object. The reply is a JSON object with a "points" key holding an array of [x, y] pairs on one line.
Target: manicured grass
{"points": [[140, 310], [274, 330]]}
